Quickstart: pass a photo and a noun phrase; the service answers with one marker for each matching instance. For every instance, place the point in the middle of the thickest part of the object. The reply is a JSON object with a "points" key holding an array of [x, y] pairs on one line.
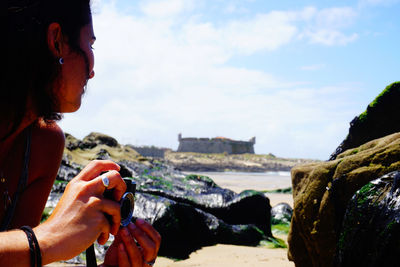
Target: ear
{"points": [[55, 39]]}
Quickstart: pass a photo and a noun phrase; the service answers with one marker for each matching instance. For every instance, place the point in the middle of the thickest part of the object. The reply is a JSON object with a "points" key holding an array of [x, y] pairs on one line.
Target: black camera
{"points": [[127, 201]]}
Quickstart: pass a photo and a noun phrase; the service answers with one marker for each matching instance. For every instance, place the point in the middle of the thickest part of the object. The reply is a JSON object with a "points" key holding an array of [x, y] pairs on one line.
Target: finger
{"points": [[150, 231], [115, 182], [103, 238], [95, 168], [149, 248], [113, 209], [123, 259], [131, 248]]}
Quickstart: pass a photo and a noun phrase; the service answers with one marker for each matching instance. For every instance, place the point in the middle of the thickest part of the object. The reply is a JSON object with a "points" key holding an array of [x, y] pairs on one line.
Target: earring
{"points": [[61, 60]]}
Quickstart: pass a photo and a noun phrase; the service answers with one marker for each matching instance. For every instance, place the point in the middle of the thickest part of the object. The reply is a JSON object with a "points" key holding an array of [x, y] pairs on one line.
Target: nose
{"points": [[91, 74]]}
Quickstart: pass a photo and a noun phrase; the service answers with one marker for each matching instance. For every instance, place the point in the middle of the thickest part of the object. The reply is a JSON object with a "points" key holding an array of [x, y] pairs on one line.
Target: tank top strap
{"points": [[23, 180]]}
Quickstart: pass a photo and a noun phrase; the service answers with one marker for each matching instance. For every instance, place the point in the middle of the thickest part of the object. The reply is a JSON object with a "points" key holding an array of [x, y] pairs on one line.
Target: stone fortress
{"points": [[215, 145]]}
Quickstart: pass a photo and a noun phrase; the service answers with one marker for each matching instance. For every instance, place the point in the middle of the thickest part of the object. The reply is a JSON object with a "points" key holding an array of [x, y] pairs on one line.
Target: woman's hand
{"points": [[79, 217], [134, 246]]}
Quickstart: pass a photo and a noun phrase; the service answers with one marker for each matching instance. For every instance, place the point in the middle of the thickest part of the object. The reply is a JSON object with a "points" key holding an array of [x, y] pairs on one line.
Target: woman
{"points": [[49, 60]]}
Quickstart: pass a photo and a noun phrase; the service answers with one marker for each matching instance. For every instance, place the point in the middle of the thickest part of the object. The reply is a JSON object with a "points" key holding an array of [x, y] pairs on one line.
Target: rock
{"points": [[321, 192], [96, 146], [371, 228], [185, 229], [281, 214], [94, 139], [248, 207], [189, 211], [72, 143], [379, 120], [68, 169]]}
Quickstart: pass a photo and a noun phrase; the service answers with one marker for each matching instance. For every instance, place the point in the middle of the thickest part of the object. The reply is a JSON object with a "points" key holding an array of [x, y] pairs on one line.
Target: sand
{"points": [[238, 182]]}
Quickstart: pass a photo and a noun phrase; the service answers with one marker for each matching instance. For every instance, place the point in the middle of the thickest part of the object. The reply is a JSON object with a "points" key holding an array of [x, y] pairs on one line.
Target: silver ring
{"points": [[151, 263], [105, 181]]}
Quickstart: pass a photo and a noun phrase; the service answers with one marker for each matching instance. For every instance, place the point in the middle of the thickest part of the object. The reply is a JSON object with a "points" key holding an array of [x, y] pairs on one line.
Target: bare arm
{"points": [[14, 249]]}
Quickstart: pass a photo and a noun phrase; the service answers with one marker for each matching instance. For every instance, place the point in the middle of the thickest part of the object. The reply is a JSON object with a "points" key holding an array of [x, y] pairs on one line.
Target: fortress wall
{"points": [[148, 151], [206, 145]]}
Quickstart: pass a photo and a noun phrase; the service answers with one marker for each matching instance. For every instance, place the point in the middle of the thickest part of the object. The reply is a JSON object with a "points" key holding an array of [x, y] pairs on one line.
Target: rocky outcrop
{"points": [[321, 192], [371, 229], [380, 119], [189, 211]]}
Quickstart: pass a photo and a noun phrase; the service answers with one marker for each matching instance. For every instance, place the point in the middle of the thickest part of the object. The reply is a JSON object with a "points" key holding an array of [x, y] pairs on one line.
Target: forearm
{"points": [[14, 249]]}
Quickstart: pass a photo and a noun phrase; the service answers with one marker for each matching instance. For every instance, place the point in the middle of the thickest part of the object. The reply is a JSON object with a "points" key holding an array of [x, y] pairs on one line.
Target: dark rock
{"points": [[248, 207], [380, 119], [68, 169], [94, 139], [103, 155], [185, 229], [371, 229], [281, 214], [189, 211], [72, 143]]}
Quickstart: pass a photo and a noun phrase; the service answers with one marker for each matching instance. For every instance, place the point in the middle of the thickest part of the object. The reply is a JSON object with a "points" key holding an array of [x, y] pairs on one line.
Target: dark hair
{"points": [[31, 69]]}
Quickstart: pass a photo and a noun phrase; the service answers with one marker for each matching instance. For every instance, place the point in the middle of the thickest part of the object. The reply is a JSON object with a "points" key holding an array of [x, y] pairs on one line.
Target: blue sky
{"points": [[291, 73]]}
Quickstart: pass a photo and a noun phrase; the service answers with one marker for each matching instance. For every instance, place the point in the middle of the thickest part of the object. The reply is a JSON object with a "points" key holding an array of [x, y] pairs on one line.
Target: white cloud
{"points": [[165, 8], [331, 37], [157, 75], [264, 32], [327, 26]]}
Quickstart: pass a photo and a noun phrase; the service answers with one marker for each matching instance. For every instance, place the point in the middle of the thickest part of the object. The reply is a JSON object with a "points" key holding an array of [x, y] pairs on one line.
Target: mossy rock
{"points": [[321, 192], [370, 234], [381, 118]]}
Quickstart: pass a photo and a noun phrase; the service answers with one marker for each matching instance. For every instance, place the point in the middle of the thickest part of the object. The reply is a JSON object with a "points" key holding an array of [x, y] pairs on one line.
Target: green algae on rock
{"points": [[371, 227], [381, 118]]}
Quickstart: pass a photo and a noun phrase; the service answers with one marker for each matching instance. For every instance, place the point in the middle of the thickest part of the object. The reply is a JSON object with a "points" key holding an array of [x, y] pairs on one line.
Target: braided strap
{"points": [[34, 249]]}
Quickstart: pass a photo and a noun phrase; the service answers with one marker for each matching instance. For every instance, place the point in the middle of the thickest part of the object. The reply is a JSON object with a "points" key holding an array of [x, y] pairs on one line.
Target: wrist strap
{"points": [[34, 249]]}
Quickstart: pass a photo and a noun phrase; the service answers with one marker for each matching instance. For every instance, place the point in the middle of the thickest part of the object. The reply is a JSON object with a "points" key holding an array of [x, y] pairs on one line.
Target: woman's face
{"points": [[75, 71]]}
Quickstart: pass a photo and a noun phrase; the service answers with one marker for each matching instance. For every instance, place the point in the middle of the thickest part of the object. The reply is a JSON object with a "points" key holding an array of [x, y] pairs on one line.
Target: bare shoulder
{"points": [[47, 147], [49, 135]]}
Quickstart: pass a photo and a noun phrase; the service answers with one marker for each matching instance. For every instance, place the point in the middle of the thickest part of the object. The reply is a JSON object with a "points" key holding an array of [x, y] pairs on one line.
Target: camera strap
{"points": [[91, 257]]}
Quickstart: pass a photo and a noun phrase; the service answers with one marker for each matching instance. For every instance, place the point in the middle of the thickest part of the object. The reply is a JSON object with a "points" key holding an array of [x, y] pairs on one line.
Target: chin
{"points": [[70, 108]]}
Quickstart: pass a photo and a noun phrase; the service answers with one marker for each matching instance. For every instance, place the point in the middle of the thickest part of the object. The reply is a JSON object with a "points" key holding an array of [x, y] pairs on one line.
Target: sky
{"points": [[291, 73]]}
